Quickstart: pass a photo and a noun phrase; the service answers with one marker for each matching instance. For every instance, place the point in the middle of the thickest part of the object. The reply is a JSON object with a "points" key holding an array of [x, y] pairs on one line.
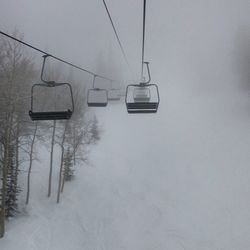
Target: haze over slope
{"points": [[175, 180]]}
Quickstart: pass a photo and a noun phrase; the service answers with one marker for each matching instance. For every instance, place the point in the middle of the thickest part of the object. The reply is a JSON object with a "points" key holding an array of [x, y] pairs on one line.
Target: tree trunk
{"points": [[4, 180], [51, 158], [17, 159], [74, 138], [63, 180], [61, 165], [30, 166]]}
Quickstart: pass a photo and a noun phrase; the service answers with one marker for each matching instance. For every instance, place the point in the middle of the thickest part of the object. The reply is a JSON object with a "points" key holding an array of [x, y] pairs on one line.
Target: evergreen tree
{"points": [[11, 206], [94, 130], [68, 166]]}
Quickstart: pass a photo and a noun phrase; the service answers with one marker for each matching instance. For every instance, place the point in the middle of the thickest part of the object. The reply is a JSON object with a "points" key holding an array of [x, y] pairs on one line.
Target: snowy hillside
{"points": [[175, 180]]}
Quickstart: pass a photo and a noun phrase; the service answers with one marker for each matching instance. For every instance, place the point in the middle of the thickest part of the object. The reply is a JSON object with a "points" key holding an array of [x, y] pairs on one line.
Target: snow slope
{"points": [[176, 180]]}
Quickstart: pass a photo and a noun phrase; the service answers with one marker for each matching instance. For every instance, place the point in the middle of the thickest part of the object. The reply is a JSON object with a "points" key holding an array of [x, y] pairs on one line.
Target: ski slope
{"points": [[177, 180]]}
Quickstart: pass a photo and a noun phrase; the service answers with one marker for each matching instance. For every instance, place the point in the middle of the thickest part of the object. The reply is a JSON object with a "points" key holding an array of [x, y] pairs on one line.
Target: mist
{"points": [[197, 45], [178, 179]]}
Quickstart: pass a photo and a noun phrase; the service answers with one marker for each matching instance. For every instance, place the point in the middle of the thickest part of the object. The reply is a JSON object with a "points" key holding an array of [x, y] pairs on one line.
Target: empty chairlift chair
{"points": [[49, 108], [142, 97], [113, 93], [97, 97]]}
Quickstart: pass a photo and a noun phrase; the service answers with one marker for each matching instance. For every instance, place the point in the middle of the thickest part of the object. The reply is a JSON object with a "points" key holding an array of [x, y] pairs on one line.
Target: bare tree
{"points": [[16, 72], [51, 157], [63, 138], [31, 158]]}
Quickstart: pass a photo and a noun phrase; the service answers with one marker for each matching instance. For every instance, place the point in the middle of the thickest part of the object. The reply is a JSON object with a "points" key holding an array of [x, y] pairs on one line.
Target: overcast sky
{"points": [[188, 42]]}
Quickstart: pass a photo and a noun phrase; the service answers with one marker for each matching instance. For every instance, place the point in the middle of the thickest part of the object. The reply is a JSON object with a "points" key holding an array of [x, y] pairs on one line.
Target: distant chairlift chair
{"points": [[113, 93], [97, 97]]}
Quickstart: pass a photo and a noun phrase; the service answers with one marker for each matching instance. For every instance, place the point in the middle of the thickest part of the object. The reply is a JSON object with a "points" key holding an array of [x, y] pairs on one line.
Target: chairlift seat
{"points": [[114, 98], [97, 104], [142, 107], [141, 98], [58, 115]]}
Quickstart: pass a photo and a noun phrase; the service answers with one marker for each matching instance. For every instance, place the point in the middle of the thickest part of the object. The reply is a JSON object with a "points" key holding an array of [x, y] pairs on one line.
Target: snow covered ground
{"points": [[177, 180]]}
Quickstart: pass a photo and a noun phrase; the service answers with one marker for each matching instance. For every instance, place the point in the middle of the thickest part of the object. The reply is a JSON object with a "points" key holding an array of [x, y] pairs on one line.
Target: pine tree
{"points": [[94, 130], [68, 166], [11, 206]]}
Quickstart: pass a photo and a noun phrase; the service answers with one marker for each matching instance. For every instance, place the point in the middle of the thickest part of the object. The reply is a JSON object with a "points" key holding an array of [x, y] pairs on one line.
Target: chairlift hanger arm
{"points": [[94, 77], [50, 83], [143, 36], [149, 76]]}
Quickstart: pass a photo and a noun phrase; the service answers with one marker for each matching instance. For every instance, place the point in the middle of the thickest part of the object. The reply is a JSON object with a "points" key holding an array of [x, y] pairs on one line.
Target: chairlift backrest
{"points": [[61, 114], [141, 94]]}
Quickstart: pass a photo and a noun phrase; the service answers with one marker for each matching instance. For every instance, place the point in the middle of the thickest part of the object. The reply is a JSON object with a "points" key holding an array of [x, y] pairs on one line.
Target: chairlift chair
{"points": [[113, 93], [50, 115], [141, 100], [142, 97], [97, 97]]}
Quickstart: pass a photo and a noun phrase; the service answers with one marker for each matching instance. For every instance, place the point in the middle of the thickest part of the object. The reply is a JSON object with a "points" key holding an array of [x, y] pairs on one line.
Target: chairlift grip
{"points": [[49, 83], [149, 76]]}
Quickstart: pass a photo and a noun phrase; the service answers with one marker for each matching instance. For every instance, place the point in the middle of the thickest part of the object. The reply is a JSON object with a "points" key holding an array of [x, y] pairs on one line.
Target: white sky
{"points": [[189, 43]]}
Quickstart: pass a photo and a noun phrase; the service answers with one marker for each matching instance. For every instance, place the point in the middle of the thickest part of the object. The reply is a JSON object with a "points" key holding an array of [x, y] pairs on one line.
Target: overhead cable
{"points": [[55, 57], [143, 36], [117, 37]]}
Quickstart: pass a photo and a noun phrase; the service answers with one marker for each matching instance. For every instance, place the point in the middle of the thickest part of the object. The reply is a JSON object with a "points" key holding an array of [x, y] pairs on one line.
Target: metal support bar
{"points": [[50, 83], [94, 81], [149, 76]]}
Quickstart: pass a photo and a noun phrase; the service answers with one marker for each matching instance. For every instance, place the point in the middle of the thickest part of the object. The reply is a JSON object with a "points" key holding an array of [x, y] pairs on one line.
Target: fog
{"points": [[198, 45], [178, 179]]}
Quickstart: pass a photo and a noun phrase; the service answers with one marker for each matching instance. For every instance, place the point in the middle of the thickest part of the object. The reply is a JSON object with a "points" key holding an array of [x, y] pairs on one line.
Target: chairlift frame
{"points": [[97, 104], [142, 106], [50, 115]]}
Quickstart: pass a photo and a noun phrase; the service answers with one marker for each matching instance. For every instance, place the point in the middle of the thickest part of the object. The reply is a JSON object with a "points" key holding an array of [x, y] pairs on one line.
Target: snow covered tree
{"points": [[94, 130], [16, 74], [68, 171], [31, 159], [12, 190]]}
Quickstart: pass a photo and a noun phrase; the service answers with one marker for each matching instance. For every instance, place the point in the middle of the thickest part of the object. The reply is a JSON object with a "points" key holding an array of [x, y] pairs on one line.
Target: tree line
{"points": [[19, 135]]}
